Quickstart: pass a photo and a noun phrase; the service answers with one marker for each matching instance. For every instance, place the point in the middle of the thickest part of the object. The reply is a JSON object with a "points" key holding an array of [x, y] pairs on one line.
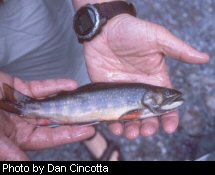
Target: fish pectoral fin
{"points": [[131, 115]]}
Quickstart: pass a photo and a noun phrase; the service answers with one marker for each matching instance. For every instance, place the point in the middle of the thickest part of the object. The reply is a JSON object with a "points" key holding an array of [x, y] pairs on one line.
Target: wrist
{"points": [[79, 3], [92, 17]]}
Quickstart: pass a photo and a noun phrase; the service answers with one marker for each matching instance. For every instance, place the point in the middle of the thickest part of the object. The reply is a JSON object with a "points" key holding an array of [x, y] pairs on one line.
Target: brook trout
{"points": [[95, 103]]}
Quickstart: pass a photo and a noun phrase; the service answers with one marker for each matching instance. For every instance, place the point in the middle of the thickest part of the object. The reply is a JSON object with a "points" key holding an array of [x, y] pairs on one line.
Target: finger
{"points": [[170, 122], [149, 126], [44, 87], [132, 130], [172, 46], [45, 137], [10, 152], [6, 78], [116, 128]]}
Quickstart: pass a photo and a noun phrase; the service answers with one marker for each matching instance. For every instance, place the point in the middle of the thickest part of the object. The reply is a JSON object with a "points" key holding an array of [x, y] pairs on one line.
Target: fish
{"points": [[94, 103]]}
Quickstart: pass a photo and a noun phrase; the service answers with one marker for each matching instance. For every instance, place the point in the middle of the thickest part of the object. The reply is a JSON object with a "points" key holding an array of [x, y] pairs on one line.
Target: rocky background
{"points": [[194, 22]]}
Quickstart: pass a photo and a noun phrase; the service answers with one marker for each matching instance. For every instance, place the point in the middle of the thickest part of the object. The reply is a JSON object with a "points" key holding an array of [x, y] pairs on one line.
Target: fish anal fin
{"points": [[89, 123], [53, 124], [12, 95], [131, 115]]}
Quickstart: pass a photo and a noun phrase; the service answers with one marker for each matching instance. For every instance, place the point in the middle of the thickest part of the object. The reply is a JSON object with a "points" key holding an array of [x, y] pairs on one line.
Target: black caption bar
{"points": [[104, 167]]}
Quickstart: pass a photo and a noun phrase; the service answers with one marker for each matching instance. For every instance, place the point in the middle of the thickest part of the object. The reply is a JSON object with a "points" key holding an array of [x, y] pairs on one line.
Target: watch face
{"points": [[85, 21]]}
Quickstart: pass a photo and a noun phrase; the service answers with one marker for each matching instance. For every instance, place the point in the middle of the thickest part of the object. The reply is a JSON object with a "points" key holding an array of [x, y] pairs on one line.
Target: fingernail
{"points": [[131, 132], [117, 131], [201, 55], [170, 129], [204, 56], [170, 126], [148, 129], [116, 128]]}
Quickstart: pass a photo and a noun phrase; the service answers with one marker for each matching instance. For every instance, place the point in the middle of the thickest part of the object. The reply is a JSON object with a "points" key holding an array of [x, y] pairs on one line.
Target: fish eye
{"points": [[166, 93]]}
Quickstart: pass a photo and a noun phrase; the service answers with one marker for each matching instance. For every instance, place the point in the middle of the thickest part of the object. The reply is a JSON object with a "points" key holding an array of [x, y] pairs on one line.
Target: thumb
{"points": [[172, 46], [10, 152], [44, 88]]}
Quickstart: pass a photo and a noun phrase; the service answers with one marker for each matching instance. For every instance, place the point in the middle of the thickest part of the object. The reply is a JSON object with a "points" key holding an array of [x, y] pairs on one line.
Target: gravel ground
{"points": [[193, 21]]}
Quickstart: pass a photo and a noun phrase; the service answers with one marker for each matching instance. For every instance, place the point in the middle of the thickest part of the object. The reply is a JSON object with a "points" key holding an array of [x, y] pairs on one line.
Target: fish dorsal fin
{"points": [[92, 86], [11, 95], [131, 115], [99, 86]]}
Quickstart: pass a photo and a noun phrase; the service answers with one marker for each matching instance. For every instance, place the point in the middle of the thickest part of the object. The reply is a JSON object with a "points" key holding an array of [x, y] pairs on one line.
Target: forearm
{"points": [[79, 3]]}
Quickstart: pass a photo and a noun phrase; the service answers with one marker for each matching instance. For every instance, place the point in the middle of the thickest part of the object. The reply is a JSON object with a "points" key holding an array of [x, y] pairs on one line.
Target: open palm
{"points": [[130, 49]]}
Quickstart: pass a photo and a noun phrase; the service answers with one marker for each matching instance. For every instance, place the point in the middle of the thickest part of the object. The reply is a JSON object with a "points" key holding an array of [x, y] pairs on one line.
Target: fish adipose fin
{"points": [[12, 100], [131, 115]]}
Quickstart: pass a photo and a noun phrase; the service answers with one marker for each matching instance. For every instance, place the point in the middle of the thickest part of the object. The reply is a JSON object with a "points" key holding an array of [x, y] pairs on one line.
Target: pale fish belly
{"points": [[65, 114], [108, 114]]}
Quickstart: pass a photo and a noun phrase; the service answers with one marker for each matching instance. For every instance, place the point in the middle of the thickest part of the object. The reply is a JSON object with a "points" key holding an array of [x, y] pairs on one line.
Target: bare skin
{"points": [[133, 50], [18, 136], [128, 49]]}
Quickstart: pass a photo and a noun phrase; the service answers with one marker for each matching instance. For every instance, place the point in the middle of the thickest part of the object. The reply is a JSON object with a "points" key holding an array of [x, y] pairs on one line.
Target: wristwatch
{"points": [[89, 19]]}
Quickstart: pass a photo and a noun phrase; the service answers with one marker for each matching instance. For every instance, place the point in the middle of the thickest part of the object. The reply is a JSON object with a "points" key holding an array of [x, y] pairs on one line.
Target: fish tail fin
{"points": [[12, 100], [10, 107], [12, 95]]}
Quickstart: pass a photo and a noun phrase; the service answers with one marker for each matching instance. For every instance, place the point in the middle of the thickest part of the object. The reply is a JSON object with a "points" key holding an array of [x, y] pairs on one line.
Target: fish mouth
{"points": [[172, 102]]}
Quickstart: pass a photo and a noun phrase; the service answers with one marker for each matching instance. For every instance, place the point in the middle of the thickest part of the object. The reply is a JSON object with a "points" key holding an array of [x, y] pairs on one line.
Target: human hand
{"points": [[130, 49], [17, 135]]}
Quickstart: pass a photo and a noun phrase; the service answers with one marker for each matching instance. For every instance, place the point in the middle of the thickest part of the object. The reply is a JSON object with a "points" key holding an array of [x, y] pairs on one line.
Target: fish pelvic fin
{"points": [[131, 115], [12, 100]]}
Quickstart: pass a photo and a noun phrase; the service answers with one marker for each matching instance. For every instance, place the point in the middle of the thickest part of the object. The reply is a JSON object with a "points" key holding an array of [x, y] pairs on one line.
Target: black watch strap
{"points": [[90, 18], [114, 8]]}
